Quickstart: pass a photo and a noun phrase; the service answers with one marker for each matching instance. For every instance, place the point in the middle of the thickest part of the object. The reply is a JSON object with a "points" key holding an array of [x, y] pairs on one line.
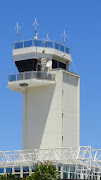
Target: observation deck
{"points": [[40, 49], [18, 82], [41, 43], [31, 57]]}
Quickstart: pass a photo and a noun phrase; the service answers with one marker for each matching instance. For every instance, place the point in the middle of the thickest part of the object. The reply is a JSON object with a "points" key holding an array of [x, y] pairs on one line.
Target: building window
{"points": [[25, 169], [1, 170], [62, 97], [17, 170], [58, 64], [33, 168], [62, 120], [8, 170], [62, 141]]}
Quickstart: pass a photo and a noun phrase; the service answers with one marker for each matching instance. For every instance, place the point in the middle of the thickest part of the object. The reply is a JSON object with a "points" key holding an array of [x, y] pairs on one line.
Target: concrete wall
{"points": [[51, 113], [41, 117], [70, 110]]}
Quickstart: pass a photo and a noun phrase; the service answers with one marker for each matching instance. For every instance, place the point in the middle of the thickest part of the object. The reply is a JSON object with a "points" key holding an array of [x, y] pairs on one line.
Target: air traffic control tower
{"points": [[51, 94]]}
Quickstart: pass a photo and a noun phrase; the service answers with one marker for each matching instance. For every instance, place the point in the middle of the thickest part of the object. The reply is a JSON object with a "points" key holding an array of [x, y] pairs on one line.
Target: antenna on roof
{"points": [[64, 37], [18, 28], [47, 38], [35, 23]]}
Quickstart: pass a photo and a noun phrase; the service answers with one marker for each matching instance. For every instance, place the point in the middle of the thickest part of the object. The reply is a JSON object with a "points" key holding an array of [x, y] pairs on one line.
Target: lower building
{"points": [[81, 162]]}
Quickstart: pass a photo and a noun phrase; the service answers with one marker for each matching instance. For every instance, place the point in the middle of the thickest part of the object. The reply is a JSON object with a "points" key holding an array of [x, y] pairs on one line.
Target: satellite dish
{"points": [[48, 64]]}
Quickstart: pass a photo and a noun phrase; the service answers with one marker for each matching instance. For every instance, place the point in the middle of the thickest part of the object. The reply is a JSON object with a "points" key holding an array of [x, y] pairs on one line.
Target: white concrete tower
{"points": [[50, 94]]}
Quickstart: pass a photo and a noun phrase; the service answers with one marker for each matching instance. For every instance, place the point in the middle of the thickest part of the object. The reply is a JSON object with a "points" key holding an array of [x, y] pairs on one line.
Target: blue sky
{"points": [[82, 21]]}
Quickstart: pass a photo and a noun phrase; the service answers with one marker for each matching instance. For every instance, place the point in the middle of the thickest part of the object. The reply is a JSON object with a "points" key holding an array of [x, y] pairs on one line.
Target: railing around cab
{"points": [[31, 75], [41, 43]]}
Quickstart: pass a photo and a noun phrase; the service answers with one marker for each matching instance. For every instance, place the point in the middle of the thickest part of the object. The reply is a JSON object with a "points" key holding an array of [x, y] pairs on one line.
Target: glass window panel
{"points": [[8, 170], [43, 43], [38, 75], [66, 50], [25, 169], [38, 43], [57, 46], [17, 78], [17, 169], [96, 169], [72, 169], [62, 65], [65, 175], [18, 45], [84, 177], [65, 168], [12, 77], [79, 171], [54, 64], [27, 75], [48, 44], [1, 170], [21, 76], [61, 48], [27, 43], [72, 175], [33, 168]]}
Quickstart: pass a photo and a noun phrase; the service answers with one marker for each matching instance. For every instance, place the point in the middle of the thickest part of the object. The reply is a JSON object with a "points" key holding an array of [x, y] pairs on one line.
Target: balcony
{"points": [[19, 81], [41, 43]]}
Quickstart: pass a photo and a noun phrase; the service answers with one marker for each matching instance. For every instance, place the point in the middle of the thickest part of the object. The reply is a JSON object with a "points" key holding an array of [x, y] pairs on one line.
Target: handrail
{"points": [[31, 75], [41, 43]]}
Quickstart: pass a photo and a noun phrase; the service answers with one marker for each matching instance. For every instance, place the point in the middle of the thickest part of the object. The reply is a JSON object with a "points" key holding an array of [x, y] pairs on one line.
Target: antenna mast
{"points": [[18, 28], [47, 38], [35, 23], [64, 37]]}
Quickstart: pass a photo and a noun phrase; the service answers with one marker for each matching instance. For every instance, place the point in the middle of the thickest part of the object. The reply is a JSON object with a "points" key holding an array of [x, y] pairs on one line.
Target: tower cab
{"points": [[31, 58]]}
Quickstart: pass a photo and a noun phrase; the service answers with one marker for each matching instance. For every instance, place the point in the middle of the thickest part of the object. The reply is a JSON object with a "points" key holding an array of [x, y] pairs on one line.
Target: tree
{"points": [[9, 176], [44, 171]]}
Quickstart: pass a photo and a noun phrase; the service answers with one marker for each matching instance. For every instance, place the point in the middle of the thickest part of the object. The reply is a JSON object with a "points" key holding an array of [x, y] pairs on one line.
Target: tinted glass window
{"points": [[1, 170], [17, 169], [57, 64], [54, 64], [25, 169], [33, 169], [62, 65], [26, 65], [8, 170]]}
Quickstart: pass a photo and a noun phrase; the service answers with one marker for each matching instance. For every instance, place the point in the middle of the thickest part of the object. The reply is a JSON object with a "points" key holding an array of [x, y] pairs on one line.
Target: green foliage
{"points": [[7, 177], [46, 171]]}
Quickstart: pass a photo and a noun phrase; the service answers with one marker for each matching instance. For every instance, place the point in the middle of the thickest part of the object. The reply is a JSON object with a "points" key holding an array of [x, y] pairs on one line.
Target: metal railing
{"points": [[31, 75], [41, 43], [81, 155]]}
